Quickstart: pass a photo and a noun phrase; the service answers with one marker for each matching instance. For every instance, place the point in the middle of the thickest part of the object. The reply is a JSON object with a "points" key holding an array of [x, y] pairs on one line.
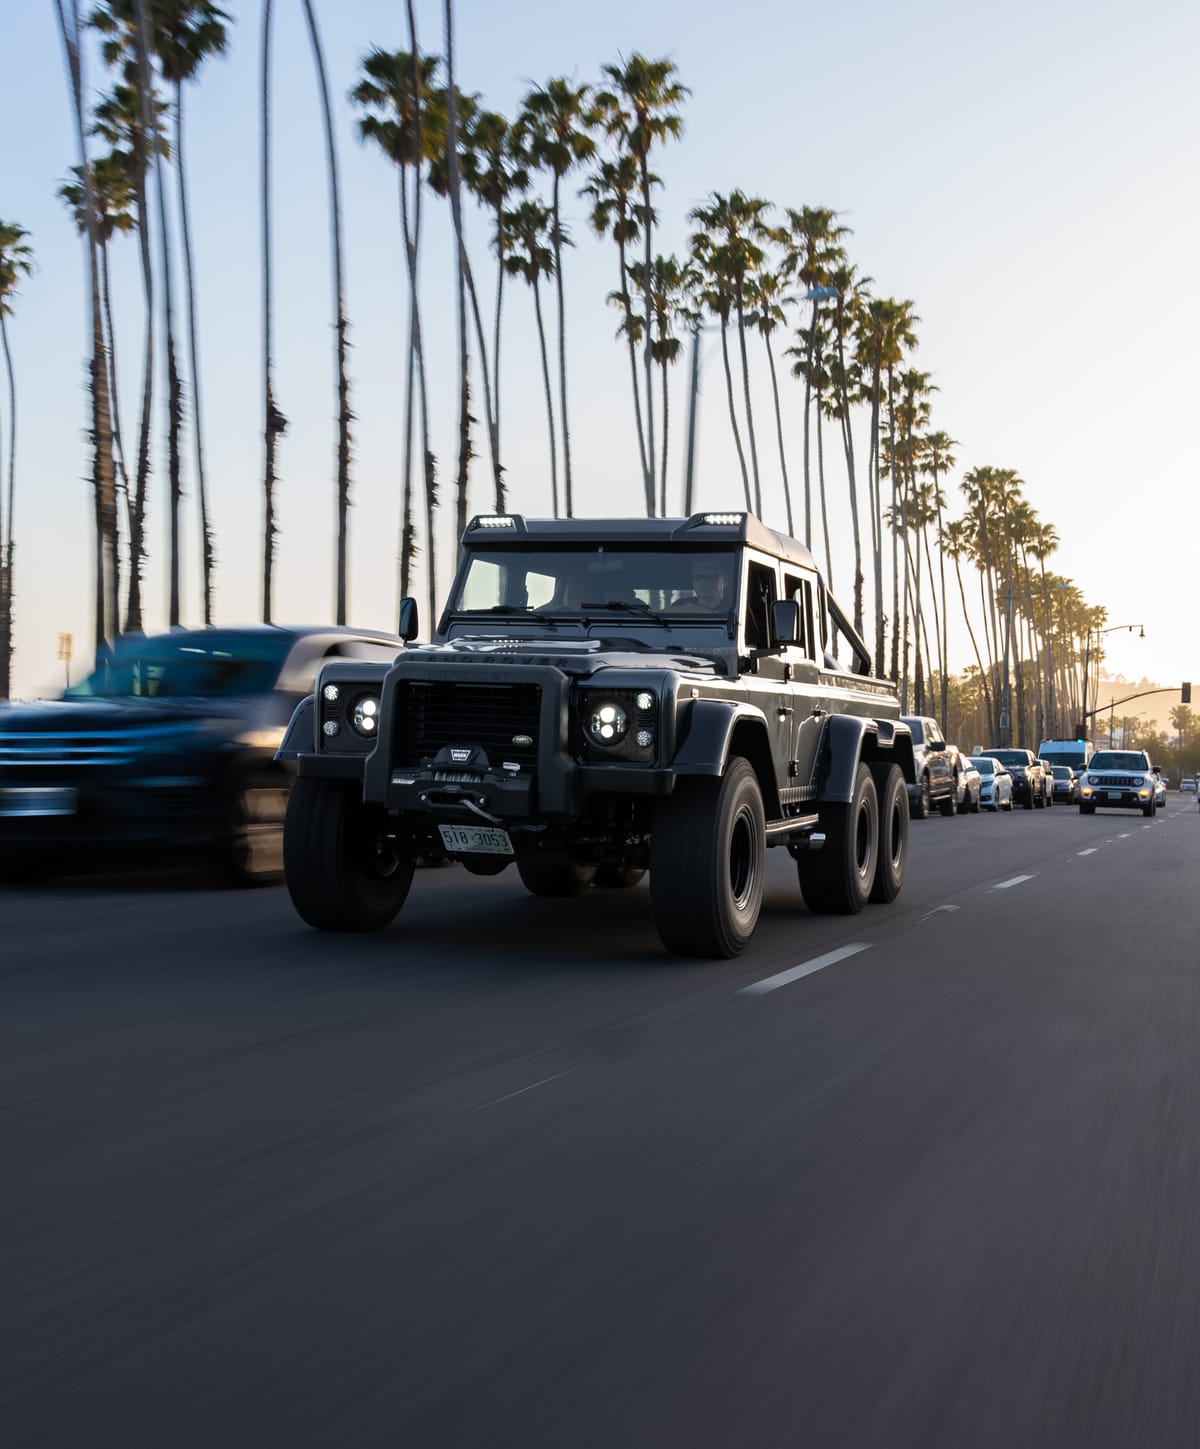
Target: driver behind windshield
{"points": [[710, 589]]}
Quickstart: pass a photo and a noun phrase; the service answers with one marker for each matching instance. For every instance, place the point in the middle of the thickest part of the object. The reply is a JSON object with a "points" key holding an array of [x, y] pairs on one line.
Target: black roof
{"points": [[730, 528]]}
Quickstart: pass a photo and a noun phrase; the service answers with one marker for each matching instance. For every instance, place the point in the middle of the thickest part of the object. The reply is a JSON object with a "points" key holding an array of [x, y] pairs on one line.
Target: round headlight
{"points": [[331, 693], [607, 723], [365, 716], [645, 700]]}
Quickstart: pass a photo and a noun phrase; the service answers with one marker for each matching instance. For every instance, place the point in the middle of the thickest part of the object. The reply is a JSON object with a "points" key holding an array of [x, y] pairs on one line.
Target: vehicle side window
{"points": [[760, 595], [800, 590]]}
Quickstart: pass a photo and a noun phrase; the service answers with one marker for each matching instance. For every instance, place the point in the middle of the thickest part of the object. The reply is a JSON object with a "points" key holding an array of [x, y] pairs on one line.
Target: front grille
{"points": [[1114, 782], [116, 747], [431, 714]]}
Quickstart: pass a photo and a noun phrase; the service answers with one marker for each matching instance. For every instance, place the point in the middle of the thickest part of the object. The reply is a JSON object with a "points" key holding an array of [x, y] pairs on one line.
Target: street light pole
{"points": [[1084, 712]]}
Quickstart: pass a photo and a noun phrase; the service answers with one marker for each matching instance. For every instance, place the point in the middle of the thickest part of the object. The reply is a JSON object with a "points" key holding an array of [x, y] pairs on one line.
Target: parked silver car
{"points": [[995, 783]]}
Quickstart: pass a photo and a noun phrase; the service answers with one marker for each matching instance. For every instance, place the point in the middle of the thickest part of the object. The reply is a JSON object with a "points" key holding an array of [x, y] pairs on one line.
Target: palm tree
{"points": [[394, 91], [455, 190], [103, 486], [112, 194], [668, 287], [640, 108], [937, 459], [956, 542], [884, 331], [737, 228], [530, 227], [16, 258], [714, 291], [769, 297], [845, 385], [812, 243], [342, 382], [274, 422], [554, 125], [611, 188], [184, 33], [494, 170], [120, 120]]}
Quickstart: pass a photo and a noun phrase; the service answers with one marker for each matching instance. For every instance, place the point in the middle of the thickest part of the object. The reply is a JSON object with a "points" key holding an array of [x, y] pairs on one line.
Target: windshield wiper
{"points": [[630, 606], [515, 610]]}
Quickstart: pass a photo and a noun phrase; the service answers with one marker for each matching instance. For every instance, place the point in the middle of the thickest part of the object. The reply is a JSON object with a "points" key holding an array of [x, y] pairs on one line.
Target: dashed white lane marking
{"points": [[1126, 835], [1003, 885], [806, 968], [1091, 850], [520, 1092]]}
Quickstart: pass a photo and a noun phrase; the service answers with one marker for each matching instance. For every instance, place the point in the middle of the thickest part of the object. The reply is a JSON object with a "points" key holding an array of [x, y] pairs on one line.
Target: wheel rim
{"points": [[895, 835], [382, 862], [743, 859], [862, 844]]}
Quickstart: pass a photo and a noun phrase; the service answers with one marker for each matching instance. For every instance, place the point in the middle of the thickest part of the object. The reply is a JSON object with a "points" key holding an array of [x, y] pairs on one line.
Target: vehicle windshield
{"points": [[1061, 772], [574, 579], [1011, 757], [186, 666], [985, 766], [918, 730], [1118, 760]]}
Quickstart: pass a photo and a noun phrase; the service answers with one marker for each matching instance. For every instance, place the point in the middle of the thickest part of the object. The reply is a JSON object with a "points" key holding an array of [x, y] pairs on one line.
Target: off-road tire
{"points": [[892, 799], [1148, 810], [341, 873], [555, 878], [708, 863], [836, 880]]}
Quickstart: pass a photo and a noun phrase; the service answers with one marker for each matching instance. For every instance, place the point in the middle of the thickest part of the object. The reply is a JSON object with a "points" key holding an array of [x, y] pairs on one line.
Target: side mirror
{"points": [[407, 625], [785, 623]]}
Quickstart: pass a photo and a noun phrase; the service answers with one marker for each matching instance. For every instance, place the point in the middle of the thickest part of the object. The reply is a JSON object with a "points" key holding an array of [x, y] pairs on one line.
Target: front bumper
{"points": [[1117, 797]]}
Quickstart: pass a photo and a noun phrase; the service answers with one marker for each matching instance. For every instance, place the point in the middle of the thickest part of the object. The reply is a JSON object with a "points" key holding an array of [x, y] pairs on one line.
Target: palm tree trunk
{"points": [[562, 354], [103, 488], [500, 502], [206, 534], [647, 354], [137, 547], [737, 437], [666, 436], [758, 508], [537, 307], [877, 525], [852, 482], [944, 648], [627, 306], [787, 487], [821, 492], [270, 413], [6, 523], [812, 338], [339, 297], [120, 469], [174, 387], [501, 252], [464, 396], [983, 674], [407, 531], [429, 462]]}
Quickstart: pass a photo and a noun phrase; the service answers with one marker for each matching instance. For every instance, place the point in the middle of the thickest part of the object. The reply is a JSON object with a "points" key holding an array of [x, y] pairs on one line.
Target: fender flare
{"points": [[850, 740], [710, 726], [300, 737]]}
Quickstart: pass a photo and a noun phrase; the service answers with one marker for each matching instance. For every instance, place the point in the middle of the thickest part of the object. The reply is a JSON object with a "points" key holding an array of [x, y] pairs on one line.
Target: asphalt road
{"points": [[508, 1175]]}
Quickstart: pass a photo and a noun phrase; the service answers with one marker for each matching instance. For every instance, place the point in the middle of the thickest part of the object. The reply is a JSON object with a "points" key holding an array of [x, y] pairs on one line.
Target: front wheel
{"points": [[892, 797], [837, 879], [342, 872], [708, 863], [1087, 810]]}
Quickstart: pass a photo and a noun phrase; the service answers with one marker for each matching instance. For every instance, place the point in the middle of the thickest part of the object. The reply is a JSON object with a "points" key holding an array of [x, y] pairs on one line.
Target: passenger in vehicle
{"points": [[710, 589]]}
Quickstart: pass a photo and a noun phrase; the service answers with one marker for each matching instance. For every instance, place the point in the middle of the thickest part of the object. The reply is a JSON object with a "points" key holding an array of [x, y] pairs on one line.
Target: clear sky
{"points": [[1024, 173]]}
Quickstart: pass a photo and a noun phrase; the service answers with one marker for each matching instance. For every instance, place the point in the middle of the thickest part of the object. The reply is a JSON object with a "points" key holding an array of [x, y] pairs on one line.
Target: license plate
{"points": [[1114, 794], [38, 800], [475, 840]]}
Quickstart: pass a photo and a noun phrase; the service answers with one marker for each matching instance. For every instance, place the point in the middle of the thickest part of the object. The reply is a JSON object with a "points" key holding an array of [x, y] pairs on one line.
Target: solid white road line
{"points": [[806, 968], [1016, 880], [1091, 850]]}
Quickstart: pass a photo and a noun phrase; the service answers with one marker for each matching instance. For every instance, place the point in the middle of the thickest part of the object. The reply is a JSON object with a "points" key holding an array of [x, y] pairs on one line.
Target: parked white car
{"points": [[995, 783]]}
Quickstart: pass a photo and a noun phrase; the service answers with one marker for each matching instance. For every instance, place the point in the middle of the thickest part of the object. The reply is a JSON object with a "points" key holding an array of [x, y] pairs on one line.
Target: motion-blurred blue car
{"points": [[169, 742]]}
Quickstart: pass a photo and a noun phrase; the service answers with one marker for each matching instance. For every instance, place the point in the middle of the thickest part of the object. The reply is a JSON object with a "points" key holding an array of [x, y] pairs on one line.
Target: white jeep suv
{"points": [[1120, 780]]}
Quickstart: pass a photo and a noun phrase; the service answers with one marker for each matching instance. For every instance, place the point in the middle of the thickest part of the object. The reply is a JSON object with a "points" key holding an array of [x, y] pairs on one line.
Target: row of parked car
{"points": [[997, 779], [1001, 778]]}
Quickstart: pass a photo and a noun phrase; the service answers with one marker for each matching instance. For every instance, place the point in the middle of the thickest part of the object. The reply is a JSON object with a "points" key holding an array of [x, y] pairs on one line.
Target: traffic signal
{"points": [[1081, 730], [1186, 691]]}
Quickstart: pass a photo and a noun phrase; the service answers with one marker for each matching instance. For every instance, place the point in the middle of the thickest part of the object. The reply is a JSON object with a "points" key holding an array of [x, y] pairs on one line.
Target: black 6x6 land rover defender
{"points": [[604, 697]]}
